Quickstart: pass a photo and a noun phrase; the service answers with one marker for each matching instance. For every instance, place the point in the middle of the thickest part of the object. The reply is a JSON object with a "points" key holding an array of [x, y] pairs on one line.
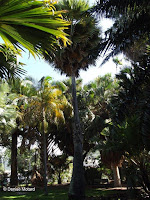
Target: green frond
{"points": [[10, 68], [8, 112], [50, 99], [85, 37], [8, 30], [16, 17]]}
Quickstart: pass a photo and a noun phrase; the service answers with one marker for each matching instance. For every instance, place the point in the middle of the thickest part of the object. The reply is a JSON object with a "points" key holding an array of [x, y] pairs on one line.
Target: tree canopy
{"points": [[130, 23]]}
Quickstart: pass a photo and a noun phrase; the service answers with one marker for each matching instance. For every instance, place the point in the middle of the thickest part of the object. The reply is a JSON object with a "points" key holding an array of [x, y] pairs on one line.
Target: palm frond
{"points": [[10, 68], [130, 24], [17, 17]]}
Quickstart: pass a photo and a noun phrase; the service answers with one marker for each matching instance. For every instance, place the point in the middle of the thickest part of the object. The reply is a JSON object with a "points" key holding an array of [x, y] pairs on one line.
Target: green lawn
{"points": [[57, 193], [54, 193]]}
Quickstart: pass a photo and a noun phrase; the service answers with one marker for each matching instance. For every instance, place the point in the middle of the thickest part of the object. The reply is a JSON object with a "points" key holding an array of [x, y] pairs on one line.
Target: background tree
{"points": [[130, 26], [8, 113], [98, 95], [129, 115], [94, 101], [112, 155], [45, 109], [58, 165], [23, 89]]}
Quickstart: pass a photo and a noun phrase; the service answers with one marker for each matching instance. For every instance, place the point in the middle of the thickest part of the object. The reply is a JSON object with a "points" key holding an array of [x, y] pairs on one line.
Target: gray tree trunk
{"points": [[117, 180], [77, 185], [45, 156], [14, 174]]}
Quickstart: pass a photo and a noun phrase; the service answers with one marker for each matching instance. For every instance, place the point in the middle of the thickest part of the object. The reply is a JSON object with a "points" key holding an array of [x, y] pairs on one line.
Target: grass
{"points": [[54, 193], [57, 193], [102, 192]]}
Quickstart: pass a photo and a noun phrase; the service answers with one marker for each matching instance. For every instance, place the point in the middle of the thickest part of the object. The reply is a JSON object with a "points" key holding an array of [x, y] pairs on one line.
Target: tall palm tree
{"points": [[44, 109], [8, 115], [23, 90], [83, 51], [31, 24]]}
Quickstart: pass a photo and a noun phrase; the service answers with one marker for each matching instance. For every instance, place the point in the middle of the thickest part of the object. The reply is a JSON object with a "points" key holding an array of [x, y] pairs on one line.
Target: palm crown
{"points": [[84, 36]]}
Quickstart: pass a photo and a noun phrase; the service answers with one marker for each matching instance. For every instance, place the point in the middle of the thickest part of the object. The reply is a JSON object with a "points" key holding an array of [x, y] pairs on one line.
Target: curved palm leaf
{"points": [[9, 67], [31, 24]]}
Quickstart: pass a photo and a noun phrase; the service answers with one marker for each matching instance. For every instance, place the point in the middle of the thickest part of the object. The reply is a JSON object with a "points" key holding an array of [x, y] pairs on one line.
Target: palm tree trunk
{"points": [[77, 185], [14, 175], [117, 180], [45, 157], [45, 165]]}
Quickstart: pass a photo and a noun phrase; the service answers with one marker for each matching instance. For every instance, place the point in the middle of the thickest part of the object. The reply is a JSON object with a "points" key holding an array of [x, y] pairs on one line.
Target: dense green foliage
{"points": [[130, 24]]}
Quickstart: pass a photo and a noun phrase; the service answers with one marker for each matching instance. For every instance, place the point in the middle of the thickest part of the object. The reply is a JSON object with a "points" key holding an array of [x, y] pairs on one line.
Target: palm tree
{"points": [[23, 89], [130, 111], [8, 115], [130, 25], [113, 159], [99, 92], [44, 109], [7, 109], [10, 68], [33, 25], [97, 95], [83, 51]]}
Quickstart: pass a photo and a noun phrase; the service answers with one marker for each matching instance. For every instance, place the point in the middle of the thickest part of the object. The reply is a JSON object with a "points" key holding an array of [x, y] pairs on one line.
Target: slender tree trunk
{"points": [[117, 180], [77, 185], [45, 156], [14, 175], [59, 178]]}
